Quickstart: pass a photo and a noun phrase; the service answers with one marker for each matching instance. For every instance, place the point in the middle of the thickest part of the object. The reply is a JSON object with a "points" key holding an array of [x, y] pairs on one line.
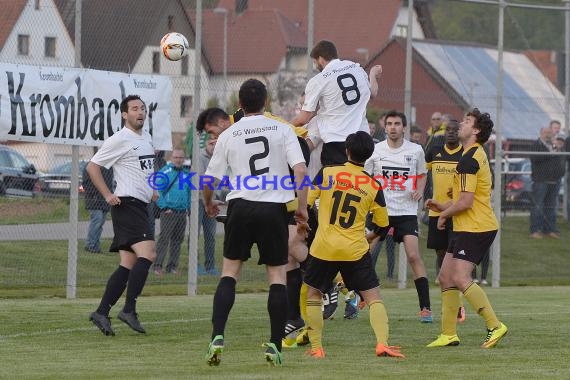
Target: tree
{"points": [[525, 29]]}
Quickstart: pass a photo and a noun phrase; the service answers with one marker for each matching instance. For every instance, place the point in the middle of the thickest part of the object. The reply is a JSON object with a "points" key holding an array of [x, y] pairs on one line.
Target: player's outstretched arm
{"points": [[375, 74], [302, 118]]}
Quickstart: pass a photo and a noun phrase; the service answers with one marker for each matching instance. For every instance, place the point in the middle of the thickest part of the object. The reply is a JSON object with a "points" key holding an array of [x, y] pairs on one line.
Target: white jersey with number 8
{"points": [[341, 92]]}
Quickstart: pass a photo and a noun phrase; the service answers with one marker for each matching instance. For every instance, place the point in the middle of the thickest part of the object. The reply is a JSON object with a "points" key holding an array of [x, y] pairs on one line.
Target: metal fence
{"points": [[43, 211]]}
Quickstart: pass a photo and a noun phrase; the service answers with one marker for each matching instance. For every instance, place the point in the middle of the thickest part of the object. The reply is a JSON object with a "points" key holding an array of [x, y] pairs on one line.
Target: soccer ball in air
{"points": [[174, 46]]}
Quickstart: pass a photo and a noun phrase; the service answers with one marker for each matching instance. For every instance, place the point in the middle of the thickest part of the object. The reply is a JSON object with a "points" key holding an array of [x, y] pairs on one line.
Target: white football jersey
{"points": [[132, 157], [397, 171], [341, 92], [257, 150]]}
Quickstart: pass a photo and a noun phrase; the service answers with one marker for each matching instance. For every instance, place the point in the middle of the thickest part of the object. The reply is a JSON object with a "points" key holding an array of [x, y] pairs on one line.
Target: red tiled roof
{"points": [[11, 10], [349, 24], [257, 40]]}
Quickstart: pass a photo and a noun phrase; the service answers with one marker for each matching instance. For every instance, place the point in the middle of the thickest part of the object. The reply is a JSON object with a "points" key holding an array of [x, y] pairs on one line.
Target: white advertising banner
{"points": [[77, 106]]}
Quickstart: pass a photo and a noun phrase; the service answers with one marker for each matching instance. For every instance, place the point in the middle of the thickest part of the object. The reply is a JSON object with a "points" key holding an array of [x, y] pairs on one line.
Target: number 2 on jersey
{"points": [[351, 88], [347, 208], [258, 156]]}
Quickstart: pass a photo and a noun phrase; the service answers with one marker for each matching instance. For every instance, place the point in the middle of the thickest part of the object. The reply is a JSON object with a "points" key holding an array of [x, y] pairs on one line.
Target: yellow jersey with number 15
{"points": [[346, 195]]}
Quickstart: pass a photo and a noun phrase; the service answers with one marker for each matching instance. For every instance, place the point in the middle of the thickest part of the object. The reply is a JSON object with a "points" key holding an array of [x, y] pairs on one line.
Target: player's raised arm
{"points": [[374, 76]]}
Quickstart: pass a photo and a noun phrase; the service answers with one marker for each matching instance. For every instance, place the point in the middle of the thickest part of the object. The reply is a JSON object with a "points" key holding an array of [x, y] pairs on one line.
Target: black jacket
{"points": [[93, 199], [547, 167]]}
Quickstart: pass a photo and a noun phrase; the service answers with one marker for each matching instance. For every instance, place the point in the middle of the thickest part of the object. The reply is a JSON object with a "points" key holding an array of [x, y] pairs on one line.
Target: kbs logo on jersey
{"points": [[395, 177], [392, 178], [147, 162]]}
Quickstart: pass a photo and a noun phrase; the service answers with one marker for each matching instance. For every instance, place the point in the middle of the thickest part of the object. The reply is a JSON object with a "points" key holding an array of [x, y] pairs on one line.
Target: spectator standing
{"points": [[416, 135], [546, 171], [173, 201], [97, 208]]}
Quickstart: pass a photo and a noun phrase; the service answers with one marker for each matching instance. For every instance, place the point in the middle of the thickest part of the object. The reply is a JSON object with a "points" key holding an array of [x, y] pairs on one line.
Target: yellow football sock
{"points": [[315, 322], [450, 303], [338, 280], [379, 321], [303, 301], [479, 301]]}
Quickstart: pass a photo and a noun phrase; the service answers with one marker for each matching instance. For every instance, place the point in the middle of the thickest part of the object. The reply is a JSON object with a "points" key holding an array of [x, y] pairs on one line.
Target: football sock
{"points": [[422, 287], [303, 301], [450, 303], [294, 282], [115, 287], [223, 303], [479, 301], [135, 285], [338, 279], [379, 321], [277, 308], [315, 322]]}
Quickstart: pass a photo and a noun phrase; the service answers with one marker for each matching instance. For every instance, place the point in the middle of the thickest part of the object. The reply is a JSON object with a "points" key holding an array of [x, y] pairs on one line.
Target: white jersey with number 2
{"points": [[257, 150], [341, 92]]}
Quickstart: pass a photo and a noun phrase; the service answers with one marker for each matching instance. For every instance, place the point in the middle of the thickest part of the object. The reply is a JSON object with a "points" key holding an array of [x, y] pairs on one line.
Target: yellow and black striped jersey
{"points": [[442, 162], [473, 175], [346, 195]]}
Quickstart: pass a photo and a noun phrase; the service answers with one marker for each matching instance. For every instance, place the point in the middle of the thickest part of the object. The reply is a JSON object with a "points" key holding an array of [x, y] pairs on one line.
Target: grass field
{"points": [[39, 268], [45, 336], [53, 339], [38, 210]]}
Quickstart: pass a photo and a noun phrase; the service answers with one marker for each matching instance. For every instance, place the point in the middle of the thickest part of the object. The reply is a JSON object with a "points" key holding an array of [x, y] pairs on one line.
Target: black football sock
{"points": [[137, 279], [114, 290], [294, 283], [277, 308], [422, 287], [223, 303]]}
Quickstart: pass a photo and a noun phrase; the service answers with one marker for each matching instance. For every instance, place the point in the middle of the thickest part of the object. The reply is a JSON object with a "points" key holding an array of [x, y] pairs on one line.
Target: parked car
{"points": [[518, 184], [17, 176], [57, 181]]}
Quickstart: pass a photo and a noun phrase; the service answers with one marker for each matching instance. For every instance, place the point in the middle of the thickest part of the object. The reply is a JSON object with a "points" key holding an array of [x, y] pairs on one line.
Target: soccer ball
{"points": [[174, 46]]}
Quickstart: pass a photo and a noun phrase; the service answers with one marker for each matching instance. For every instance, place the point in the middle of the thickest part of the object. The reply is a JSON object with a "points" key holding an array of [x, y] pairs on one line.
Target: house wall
{"points": [[401, 25], [38, 24], [428, 95]]}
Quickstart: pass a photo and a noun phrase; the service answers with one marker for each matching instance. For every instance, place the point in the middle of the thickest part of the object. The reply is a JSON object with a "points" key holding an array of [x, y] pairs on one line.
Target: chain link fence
{"points": [[35, 218]]}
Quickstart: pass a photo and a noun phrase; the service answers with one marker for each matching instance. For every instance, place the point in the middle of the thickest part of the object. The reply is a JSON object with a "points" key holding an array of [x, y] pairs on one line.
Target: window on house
{"points": [[23, 44], [401, 30], [156, 62], [184, 65], [37, 5], [170, 23], [49, 47], [185, 106]]}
